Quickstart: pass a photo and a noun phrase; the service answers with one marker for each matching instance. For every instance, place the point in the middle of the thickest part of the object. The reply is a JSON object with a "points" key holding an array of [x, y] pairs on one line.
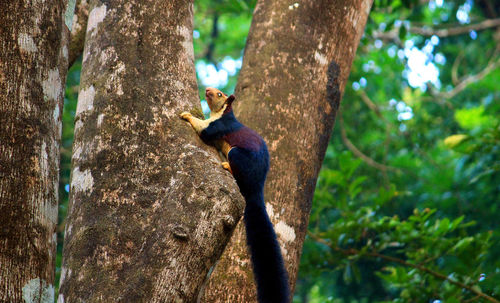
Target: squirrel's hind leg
{"points": [[226, 165]]}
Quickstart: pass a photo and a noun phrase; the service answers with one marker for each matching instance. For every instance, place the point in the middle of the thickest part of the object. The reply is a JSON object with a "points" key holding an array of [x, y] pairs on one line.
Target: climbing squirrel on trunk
{"points": [[248, 161]]}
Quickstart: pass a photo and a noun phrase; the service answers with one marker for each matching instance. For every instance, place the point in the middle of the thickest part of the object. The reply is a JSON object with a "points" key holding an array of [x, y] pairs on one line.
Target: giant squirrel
{"points": [[248, 162]]}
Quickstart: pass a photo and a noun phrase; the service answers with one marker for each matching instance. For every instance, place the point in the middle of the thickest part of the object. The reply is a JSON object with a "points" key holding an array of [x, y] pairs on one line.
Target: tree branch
{"points": [[454, 31], [454, 69], [440, 32], [388, 127], [78, 30], [471, 79], [209, 55], [373, 254], [366, 99], [360, 154]]}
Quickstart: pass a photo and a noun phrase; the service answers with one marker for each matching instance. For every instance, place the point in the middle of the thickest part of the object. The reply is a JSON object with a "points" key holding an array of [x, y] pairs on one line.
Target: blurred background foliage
{"points": [[406, 206]]}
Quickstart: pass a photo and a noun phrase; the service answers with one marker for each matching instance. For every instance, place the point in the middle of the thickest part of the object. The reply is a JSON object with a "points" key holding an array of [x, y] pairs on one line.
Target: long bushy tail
{"points": [[268, 267]]}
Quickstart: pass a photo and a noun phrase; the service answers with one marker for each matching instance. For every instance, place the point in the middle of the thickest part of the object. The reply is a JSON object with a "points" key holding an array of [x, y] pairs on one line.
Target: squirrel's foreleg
{"points": [[198, 124]]}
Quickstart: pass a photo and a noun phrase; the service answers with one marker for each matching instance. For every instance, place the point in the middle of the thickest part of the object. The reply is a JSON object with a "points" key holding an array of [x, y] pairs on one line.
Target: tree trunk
{"points": [[33, 66], [296, 63], [151, 208]]}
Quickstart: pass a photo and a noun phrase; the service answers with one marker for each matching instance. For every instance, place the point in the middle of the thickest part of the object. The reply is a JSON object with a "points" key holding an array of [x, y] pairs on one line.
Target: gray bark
{"points": [[151, 208], [295, 67], [33, 65], [77, 38]]}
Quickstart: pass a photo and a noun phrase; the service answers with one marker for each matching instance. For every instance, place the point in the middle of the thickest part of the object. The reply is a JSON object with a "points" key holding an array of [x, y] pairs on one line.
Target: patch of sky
{"points": [[210, 76], [400, 106], [473, 35], [433, 4], [213, 76], [439, 58], [393, 102], [420, 66], [434, 40], [205, 108], [231, 66], [391, 51], [371, 66], [463, 12], [405, 112], [405, 116], [488, 99], [367, 66], [401, 54], [428, 49], [444, 17], [196, 34], [482, 277], [362, 82]]}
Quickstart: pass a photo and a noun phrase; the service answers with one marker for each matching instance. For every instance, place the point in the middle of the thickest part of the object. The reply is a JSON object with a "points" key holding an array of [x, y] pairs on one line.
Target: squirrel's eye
{"points": [[219, 94]]}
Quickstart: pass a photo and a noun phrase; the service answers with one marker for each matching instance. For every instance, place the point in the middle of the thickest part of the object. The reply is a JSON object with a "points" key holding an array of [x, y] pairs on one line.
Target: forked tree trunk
{"points": [[33, 66], [151, 209], [296, 63]]}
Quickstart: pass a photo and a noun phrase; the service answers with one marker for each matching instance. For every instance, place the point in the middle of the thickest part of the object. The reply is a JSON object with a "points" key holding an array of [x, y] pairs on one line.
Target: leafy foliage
{"points": [[421, 226], [409, 254]]}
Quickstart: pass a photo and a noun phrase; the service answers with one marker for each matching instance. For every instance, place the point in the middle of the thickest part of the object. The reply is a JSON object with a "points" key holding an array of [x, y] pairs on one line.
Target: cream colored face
{"points": [[215, 99]]}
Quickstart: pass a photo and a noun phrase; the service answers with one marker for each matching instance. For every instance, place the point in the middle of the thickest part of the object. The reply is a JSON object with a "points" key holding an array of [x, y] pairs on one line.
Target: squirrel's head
{"points": [[217, 99]]}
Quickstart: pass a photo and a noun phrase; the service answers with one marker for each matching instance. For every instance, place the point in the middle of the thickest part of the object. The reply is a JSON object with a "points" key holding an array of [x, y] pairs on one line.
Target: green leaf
{"points": [[354, 187], [471, 118], [242, 4], [456, 222], [402, 32], [454, 140], [461, 244], [444, 225]]}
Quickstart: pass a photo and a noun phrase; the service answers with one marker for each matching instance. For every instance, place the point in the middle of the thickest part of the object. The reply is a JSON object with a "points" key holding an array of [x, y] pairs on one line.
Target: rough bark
{"points": [[78, 30], [296, 63], [33, 66], [151, 208]]}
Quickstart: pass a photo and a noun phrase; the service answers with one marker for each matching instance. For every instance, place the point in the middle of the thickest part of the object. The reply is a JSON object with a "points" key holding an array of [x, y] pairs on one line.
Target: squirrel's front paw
{"points": [[186, 115]]}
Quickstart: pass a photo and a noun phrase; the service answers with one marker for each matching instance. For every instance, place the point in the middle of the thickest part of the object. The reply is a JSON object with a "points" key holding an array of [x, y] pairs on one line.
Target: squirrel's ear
{"points": [[230, 99]]}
